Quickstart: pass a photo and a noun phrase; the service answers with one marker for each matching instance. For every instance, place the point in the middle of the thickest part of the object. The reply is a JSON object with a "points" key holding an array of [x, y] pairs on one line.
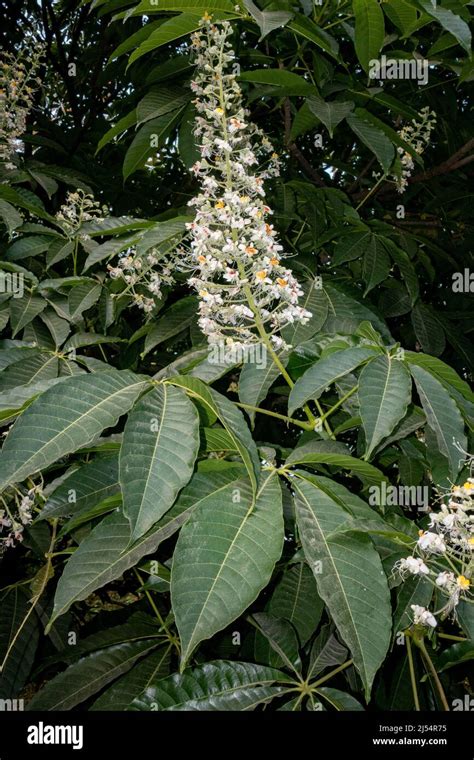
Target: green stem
{"points": [[450, 637], [367, 196], [289, 420], [412, 673], [171, 638], [432, 670], [334, 672]]}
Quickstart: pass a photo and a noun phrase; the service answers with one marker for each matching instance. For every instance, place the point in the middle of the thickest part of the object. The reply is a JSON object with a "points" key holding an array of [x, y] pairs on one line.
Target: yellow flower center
{"points": [[282, 282], [463, 582], [220, 204], [261, 275]]}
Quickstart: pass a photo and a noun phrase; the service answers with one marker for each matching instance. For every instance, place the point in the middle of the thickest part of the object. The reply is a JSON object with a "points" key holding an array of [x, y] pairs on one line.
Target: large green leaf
{"points": [[224, 557], [148, 140], [350, 578], [105, 554], [443, 417], [174, 28], [267, 20], [324, 372], [305, 27], [219, 685], [232, 419], [282, 638], [121, 694], [428, 330], [449, 21], [64, 418], [160, 445], [89, 675], [369, 30], [384, 395], [175, 319], [337, 454]]}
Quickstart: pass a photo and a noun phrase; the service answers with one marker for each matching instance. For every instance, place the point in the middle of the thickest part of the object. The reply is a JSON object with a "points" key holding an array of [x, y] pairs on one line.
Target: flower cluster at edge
{"points": [[443, 554]]}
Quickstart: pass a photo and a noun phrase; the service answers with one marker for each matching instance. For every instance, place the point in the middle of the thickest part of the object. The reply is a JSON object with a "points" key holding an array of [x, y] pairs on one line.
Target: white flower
{"points": [[412, 566], [431, 543], [445, 580], [422, 616]]}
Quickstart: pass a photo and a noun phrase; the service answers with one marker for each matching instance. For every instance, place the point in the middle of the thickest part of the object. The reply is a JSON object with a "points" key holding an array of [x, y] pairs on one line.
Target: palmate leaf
{"points": [[160, 445], [331, 113], [105, 554], [443, 417], [376, 140], [224, 557], [282, 638], [338, 699], [384, 395], [23, 310], [324, 372], [349, 575], [89, 675], [231, 418], [220, 685], [65, 418]]}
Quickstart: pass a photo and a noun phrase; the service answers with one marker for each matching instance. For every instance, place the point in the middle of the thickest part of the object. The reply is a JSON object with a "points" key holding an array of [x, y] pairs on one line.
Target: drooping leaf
{"points": [[369, 31], [224, 557], [350, 578]]}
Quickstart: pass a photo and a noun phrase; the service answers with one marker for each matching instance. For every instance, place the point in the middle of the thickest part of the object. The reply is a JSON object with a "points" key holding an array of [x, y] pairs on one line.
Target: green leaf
{"points": [[401, 13], [334, 453], [331, 113], [443, 417], [10, 216], [350, 578], [326, 652], [88, 676], [325, 372], [32, 369], [282, 638], [15, 606], [373, 137], [255, 381], [59, 328], [121, 694], [267, 20], [315, 300], [384, 395], [81, 298], [224, 557], [305, 27], [415, 590], [75, 411], [231, 418], [174, 320], [455, 655], [449, 21], [160, 445], [446, 375], [159, 101], [291, 84], [338, 699], [188, 150], [23, 310], [351, 247], [369, 30], [220, 685], [428, 330], [24, 247], [105, 554], [172, 29], [84, 488], [375, 266], [148, 140], [296, 599]]}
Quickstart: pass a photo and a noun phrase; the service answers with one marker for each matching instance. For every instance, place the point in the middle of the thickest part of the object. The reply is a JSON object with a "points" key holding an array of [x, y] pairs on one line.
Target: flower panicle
{"points": [[445, 554]]}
